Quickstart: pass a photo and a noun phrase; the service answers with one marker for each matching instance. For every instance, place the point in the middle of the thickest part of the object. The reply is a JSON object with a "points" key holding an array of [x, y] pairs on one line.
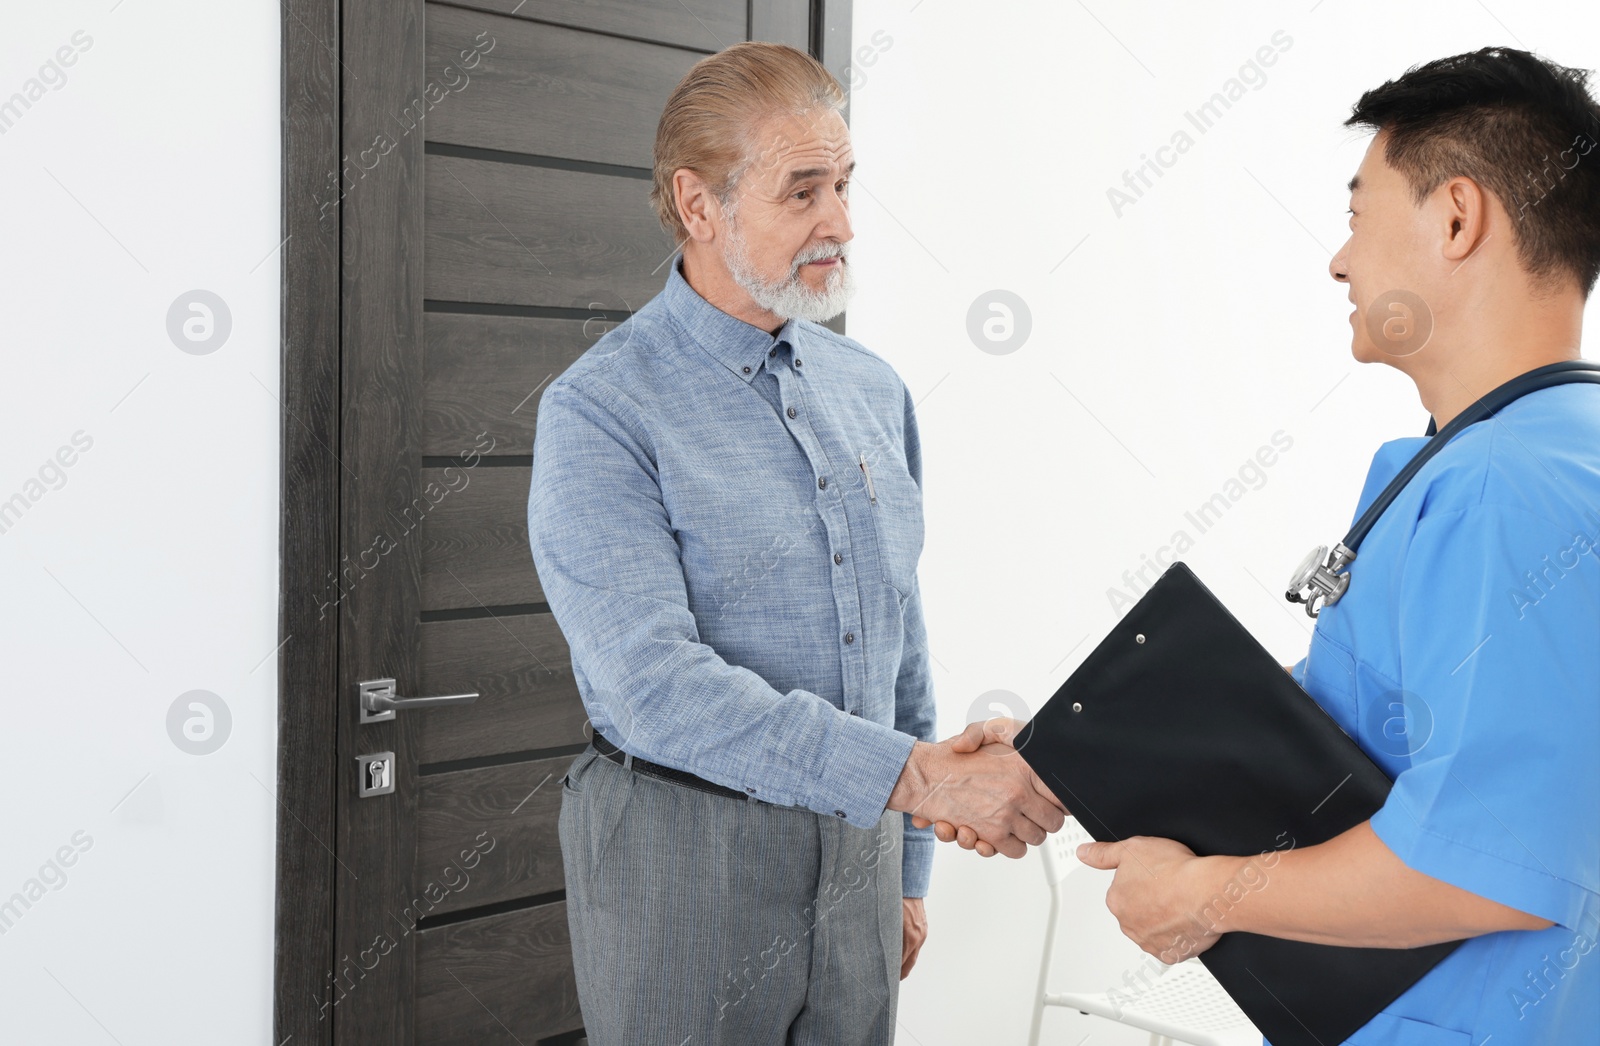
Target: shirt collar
{"points": [[739, 346]]}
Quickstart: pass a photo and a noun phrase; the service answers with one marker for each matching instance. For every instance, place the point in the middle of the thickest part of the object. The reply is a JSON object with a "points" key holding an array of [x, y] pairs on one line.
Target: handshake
{"points": [[976, 790]]}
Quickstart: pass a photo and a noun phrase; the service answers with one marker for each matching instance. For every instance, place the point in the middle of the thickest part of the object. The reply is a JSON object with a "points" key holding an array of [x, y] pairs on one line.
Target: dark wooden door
{"points": [[493, 221]]}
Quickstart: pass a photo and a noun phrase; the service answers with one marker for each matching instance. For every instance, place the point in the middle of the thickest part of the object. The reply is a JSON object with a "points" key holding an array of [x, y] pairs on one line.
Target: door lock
{"points": [[377, 774]]}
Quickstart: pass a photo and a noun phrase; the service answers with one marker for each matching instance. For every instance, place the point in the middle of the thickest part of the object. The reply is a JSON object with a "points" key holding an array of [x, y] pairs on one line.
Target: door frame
{"points": [[311, 477], [309, 404]]}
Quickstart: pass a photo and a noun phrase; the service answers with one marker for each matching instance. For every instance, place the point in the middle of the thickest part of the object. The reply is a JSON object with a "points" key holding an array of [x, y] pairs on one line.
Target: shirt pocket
{"points": [[1330, 677], [1388, 1029], [895, 503]]}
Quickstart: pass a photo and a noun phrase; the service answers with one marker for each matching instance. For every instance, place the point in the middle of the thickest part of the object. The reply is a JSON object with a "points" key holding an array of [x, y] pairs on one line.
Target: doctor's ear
{"points": [[1466, 209]]}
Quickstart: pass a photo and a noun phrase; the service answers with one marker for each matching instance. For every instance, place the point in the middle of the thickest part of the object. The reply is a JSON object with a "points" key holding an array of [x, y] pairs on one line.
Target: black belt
{"points": [[665, 773]]}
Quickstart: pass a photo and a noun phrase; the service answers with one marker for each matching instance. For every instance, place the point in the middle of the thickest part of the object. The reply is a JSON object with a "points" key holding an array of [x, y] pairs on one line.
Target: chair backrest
{"points": [[1061, 851]]}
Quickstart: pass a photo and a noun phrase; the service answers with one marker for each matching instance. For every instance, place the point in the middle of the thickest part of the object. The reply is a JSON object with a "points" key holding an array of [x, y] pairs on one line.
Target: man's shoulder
{"points": [[615, 357], [852, 353], [828, 336]]}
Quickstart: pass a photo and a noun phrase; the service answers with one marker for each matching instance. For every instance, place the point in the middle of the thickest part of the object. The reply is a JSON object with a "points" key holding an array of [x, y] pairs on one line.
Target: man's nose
{"points": [[1337, 267], [834, 223]]}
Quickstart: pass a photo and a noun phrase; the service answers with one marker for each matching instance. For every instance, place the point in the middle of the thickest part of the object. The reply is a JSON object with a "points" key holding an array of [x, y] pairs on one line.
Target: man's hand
{"points": [[915, 932], [1155, 882], [986, 788], [983, 737]]}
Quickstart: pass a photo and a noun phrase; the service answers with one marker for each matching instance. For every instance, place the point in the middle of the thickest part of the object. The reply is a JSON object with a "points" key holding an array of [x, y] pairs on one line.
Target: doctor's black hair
{"points": [[1523, 128]]}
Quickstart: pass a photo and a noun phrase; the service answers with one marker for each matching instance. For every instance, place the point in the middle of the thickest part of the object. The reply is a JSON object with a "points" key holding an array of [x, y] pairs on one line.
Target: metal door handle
{"points": [[378, 701]]}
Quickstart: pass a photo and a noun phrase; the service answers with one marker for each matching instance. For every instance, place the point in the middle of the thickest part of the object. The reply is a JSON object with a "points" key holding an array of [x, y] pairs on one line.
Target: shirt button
{"points": [[849, 637], [752, 791], [854, 712], [747, 370], [838, 813], [837, 559], [823, 482], [797, 361], [773, 352], [792, 412]]}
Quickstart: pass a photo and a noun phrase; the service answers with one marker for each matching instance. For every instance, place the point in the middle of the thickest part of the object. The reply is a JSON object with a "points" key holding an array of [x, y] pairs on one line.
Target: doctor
{"points": [[1465, 656]]}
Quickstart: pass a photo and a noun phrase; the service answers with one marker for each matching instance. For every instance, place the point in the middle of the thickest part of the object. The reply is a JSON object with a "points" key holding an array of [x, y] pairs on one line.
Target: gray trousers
{"points": [[702, 919]]}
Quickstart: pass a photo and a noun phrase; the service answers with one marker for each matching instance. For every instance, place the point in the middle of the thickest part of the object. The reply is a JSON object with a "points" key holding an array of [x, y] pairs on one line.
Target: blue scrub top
{"points": [[1465, 660]]}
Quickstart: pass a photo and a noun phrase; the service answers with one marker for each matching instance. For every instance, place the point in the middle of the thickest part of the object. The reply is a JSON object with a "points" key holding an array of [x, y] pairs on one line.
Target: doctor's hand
{"points": [[995, 737], [986, 788], [1154, 893]]}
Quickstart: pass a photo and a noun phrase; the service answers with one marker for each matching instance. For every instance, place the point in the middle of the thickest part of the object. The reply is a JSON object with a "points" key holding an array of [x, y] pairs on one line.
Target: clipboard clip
{"points": [[1321, 578]]}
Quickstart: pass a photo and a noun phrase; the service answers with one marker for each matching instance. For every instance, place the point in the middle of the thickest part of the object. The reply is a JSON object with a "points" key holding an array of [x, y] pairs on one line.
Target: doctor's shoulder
{"points": [[1541, 455]]}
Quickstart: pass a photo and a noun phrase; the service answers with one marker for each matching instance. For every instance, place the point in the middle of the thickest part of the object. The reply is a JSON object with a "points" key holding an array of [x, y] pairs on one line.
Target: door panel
{"points": [[549, 91], [483, 375], [519, 662], [517, 234], [519, 969], [781, 21], [507, 815], [705, 25], [475, 540]]}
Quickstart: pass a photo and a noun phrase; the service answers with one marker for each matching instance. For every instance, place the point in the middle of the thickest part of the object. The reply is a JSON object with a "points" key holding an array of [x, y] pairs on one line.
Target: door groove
{"points": [[554, 312], [478, 762], [471, 613], [497, 461], [482, 911], [559, 163]]}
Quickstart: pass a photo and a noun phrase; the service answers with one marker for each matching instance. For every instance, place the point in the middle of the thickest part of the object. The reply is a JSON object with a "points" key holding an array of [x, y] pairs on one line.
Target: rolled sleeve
{"points": [[609, 564]]}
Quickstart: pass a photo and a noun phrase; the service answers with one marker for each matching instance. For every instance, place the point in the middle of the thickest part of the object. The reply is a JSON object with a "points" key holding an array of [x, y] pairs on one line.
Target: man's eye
{"points": [[800, 194]]}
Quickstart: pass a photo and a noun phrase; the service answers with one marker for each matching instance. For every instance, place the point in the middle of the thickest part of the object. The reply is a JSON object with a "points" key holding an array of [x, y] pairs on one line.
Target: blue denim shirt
{"points": [[738, 592]]}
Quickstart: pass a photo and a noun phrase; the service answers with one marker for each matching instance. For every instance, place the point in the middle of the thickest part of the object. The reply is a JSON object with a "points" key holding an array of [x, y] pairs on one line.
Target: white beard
{"points": [[790, 297]]}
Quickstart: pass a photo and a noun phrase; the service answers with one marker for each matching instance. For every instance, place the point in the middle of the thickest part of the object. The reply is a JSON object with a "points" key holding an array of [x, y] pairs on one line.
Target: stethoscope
{"points": [[1323, 577]]}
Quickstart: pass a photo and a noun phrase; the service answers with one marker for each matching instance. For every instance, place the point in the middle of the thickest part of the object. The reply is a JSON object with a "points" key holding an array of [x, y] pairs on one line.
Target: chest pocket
{"points": [[1387, 1029], [895, 504]]}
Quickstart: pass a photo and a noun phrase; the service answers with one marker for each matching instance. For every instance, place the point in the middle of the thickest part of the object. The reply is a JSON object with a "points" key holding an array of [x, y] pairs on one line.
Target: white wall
{"points": [[146, 169], [1168, 344]]}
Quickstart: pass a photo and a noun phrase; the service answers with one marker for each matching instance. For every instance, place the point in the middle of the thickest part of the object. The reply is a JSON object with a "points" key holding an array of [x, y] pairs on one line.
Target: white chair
{"points": [[1181, 1003]]}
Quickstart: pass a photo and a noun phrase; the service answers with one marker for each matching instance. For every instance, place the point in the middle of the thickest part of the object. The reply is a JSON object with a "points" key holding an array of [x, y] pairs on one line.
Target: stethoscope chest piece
{"points": [[1321, 578]]}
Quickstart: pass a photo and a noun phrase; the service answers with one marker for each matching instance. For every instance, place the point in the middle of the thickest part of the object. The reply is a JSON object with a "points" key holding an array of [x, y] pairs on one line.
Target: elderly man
{"points": [[726, 517]]}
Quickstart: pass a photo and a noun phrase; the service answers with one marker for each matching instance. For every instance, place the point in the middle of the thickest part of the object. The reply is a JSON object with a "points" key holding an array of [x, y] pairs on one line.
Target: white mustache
{"points": [[817, 254]]}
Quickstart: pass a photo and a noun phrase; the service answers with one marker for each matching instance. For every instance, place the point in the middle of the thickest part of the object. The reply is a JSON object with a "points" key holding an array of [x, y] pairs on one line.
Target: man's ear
{"points": [[1466, 212], [697, 207]]}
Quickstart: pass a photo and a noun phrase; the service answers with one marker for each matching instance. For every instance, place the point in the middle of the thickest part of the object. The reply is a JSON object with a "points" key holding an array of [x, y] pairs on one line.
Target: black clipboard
{"points": [[1181, 725]]}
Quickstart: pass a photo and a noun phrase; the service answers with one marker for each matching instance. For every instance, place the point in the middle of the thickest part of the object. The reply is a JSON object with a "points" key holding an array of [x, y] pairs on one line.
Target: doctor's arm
{"points": [[1351, 890]]}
